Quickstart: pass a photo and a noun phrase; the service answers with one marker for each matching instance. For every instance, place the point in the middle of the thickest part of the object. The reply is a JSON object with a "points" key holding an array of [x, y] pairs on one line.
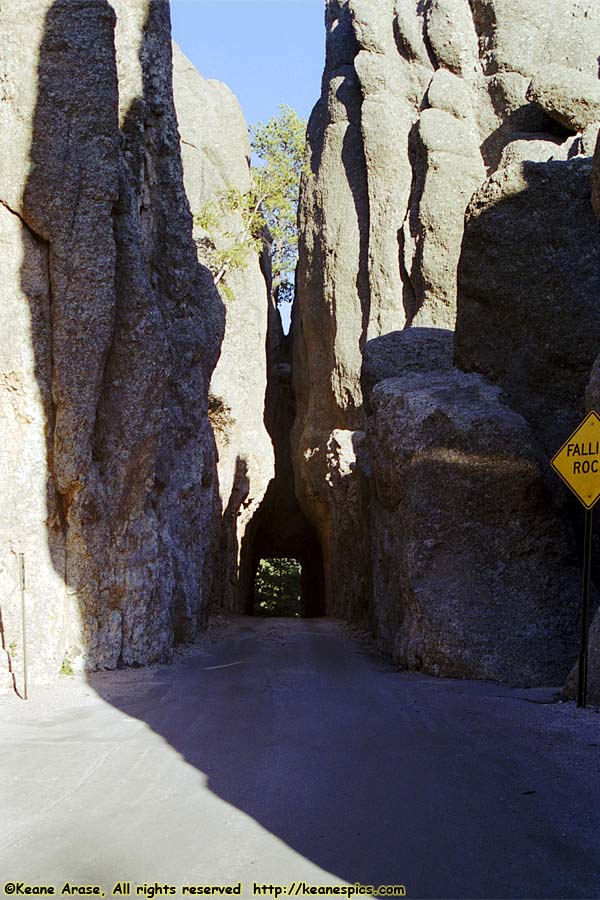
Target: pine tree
{"points": [[236, 225]]}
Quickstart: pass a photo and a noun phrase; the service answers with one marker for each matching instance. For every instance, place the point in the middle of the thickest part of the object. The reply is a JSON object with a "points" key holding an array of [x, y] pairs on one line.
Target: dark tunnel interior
{"points": [[287, 537]]}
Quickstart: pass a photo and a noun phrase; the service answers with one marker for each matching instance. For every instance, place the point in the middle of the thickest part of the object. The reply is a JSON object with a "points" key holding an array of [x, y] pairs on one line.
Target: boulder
{"points": [[531, 148], [473, 573], [399, 352], [569, 96], [522, 35]]}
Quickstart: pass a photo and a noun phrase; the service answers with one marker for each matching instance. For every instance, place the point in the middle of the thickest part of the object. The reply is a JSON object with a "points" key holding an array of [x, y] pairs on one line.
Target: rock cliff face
{"points": [[530, 270], [430, 110], [216, 153], [443, 340], [108, 458]]}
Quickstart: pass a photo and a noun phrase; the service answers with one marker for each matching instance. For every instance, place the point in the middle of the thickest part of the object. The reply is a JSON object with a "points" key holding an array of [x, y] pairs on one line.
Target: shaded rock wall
{"points": [[472, 574], [530, 271], [529, 283], [109, 476]]}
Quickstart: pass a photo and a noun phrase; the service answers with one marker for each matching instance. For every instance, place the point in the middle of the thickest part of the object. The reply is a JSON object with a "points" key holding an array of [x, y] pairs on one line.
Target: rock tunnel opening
{"points": [[275, 536]]}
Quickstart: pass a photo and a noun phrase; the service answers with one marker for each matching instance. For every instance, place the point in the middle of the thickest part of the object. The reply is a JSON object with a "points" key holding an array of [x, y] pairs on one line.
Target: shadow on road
{"points": [[451, 788]]}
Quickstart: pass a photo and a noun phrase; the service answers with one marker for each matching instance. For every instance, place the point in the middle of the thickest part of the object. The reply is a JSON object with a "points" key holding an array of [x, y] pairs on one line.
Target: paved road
{"points": [[288, 751]]}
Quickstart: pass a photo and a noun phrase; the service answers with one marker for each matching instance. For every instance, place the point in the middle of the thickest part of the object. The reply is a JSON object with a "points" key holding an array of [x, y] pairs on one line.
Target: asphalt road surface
{"points": [[287, 750]]}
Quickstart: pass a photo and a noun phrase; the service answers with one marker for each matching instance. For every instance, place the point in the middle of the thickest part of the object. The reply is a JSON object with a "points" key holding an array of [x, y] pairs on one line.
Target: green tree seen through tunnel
{"points": [[277, 587]]}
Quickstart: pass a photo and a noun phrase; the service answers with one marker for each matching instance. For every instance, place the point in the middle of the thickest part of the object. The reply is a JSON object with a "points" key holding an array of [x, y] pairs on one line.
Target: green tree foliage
{"points": [[277, 587], [236, 225], [280, 148]]}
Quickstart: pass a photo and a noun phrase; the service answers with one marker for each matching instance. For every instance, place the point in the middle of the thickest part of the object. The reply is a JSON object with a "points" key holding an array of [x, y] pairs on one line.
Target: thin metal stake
{"points": [[24, 620], [585, 611]]}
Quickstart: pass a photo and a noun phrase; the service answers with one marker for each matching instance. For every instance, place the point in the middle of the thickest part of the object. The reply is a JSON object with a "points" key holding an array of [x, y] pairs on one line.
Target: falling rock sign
{"points": [[578, 464], [578, 461]]}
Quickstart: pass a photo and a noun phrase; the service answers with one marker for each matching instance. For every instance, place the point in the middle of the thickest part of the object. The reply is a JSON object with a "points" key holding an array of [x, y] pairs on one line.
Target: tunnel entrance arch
{"points": [[280, 530]]}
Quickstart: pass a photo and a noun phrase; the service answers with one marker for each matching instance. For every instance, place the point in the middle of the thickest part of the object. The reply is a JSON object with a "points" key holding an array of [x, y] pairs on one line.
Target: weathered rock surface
{"points": [[421, 104], [593, 673], [26, 415], [522, 36], [448, 169], [108, 459], [216, 153], [332, 299], [528, 313], [472, 570], [592, 392], [530, 270], [596, 179], [529, 283], [399, 352], [422, 495], [569, 96]]}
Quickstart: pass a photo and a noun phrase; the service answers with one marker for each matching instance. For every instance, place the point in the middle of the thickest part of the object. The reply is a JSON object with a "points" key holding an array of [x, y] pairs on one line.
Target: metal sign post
{"points": [[24, 621], [578, 464], [585, 611]]}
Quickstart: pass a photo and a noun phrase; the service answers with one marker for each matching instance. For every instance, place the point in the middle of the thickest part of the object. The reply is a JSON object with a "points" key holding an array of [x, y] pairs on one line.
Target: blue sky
{"points": [[268, 51]]}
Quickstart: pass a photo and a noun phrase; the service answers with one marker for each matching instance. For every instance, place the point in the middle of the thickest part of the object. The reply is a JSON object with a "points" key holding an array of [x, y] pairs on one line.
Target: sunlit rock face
{"points": [[216, 151], [111, 330], [429, 110]]}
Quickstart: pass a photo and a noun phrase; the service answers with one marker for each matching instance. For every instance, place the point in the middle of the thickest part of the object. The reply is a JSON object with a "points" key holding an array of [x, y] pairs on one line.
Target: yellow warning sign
{"points": [[578, 461]]}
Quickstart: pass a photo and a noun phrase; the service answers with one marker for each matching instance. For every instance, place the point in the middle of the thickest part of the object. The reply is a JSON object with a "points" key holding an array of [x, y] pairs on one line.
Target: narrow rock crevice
{"points": [[279, 528]]}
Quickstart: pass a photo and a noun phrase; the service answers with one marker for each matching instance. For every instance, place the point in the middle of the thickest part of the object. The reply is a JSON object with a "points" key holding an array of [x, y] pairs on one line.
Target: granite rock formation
{"points": [[397, 353], [216, 152], [279, 528], [429, 110], [530, 270], [158, 439], [109, 476]]}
